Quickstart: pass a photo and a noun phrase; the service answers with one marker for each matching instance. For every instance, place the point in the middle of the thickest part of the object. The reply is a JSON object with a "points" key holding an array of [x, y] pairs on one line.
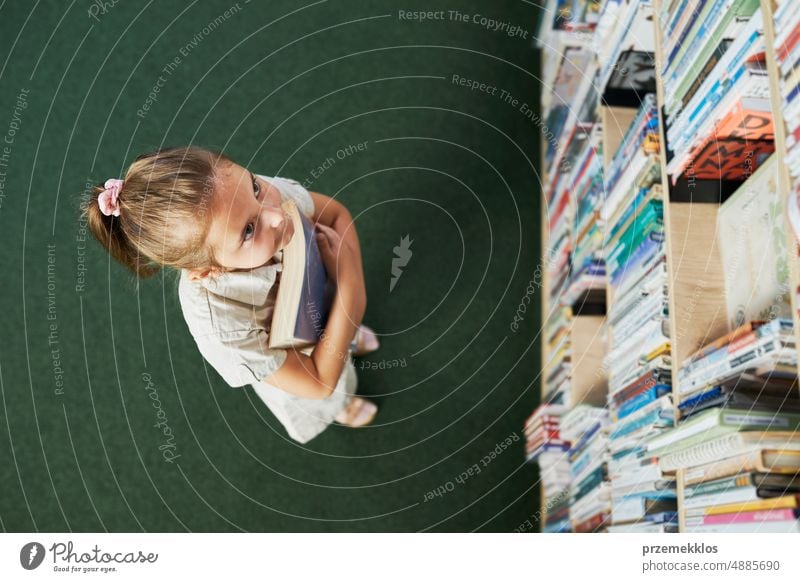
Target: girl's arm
{"points": [[315, 376], [332, 213]]}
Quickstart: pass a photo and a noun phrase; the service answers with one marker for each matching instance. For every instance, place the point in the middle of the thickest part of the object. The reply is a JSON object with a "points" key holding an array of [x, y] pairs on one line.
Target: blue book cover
{"points": [[641, 400], [305, 292], [316, 295], [640, 256]]}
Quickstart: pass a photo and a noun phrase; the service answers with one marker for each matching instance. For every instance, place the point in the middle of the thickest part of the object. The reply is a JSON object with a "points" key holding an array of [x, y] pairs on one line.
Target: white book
{"points": [[790, 526], [730, 445]]}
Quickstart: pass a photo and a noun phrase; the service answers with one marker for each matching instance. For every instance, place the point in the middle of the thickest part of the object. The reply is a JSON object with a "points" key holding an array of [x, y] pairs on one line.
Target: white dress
{"points": [[229, 317]]}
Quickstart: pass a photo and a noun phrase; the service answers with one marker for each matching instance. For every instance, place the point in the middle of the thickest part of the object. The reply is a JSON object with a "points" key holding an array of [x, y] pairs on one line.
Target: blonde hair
{"points": [[165, 215]]}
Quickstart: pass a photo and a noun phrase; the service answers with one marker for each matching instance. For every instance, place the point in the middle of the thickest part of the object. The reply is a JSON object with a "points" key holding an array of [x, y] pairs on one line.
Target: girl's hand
{"points": [[337, 255], [344, 264]]}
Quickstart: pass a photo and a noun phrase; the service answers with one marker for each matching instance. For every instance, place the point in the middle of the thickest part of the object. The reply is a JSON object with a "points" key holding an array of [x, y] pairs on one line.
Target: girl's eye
{"points": [[249, 230], [256, 188]]}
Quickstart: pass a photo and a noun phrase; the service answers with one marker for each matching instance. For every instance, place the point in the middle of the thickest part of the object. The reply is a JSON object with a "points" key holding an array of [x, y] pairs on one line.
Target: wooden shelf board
{"points": [[589, 383], [615, 122]]}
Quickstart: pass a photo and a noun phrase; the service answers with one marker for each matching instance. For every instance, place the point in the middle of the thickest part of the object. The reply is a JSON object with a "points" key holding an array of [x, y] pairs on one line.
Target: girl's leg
{"points": [[365, 341], [305, 418], [359, 412]]}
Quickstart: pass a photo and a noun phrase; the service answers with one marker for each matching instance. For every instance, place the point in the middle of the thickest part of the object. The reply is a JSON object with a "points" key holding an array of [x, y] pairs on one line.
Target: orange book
{"points": [[739, 142], [747, 124], [729, 158], [726, 339]]}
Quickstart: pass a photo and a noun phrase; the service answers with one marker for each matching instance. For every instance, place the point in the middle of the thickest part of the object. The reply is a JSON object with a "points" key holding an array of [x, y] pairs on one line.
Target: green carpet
{"points": [[281, 87]]}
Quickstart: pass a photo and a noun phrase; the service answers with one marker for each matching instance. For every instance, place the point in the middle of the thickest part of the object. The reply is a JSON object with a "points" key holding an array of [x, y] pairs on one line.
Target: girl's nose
{"points": [[275, 217]]}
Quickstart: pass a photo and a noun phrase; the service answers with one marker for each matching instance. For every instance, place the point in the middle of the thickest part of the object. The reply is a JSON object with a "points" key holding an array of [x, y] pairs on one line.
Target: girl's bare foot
{"points": [[359, 412], [366, 341]]}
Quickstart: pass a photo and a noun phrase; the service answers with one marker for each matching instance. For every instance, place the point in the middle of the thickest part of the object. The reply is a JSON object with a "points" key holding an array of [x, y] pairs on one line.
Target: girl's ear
{"points": [[197, 274]]}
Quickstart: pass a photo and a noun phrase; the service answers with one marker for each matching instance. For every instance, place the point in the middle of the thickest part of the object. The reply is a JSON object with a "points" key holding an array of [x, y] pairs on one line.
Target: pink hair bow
{"points": [[109, 198]]}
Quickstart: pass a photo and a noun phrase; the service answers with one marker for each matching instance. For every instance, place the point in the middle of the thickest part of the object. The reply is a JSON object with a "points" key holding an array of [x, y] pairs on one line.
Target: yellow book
{"points": [[788, 502], [660, 350]]}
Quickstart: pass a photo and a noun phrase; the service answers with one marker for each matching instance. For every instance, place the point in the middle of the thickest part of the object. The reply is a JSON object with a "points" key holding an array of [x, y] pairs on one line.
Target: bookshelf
{"points": [[707, 252]]}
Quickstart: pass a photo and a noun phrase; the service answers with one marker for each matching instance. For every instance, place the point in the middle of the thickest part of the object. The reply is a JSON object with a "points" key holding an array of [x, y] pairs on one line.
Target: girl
{"points": [[222, 225]]}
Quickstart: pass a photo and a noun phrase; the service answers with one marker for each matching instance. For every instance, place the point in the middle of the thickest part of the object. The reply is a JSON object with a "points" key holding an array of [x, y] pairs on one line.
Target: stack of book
{"points": [[758, 357], [644, 496], [542, 432], [635, 253], [587, 281], [625, 46], [742, 469], [560, 214], [632, 159], [737, 440], [556, 516], [586, 427], [558, 357], [566, 31], [559, 106], [787, 55], [545, 446], [638, 361], [716, 88]]}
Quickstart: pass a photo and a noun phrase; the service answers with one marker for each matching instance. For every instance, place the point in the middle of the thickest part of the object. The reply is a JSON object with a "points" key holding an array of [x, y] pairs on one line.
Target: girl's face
{"points": [[248, 226]]}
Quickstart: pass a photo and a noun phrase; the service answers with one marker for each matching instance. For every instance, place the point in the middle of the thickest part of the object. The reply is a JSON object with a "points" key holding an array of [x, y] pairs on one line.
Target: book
{"points": [[697, 504], [305, 293], [739, 488], [644, 527], [750, 517], [761, 460], [743, 330], [734, 444], [786, 502], [761, 350], [593, 524], [626, 509], [784, 526], [718, 422]]}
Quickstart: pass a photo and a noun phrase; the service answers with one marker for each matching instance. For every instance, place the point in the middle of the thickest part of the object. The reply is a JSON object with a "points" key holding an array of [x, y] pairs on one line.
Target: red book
{"points": [[645, 382], [791, 40], [592, 524], [536, 443], [548, 418], [550, 433], [555, 213], [741, 342]]}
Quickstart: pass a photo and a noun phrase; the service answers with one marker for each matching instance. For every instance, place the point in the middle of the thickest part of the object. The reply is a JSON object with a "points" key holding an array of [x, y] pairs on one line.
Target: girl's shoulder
{"points": [[231, 301], [292, 190]]}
